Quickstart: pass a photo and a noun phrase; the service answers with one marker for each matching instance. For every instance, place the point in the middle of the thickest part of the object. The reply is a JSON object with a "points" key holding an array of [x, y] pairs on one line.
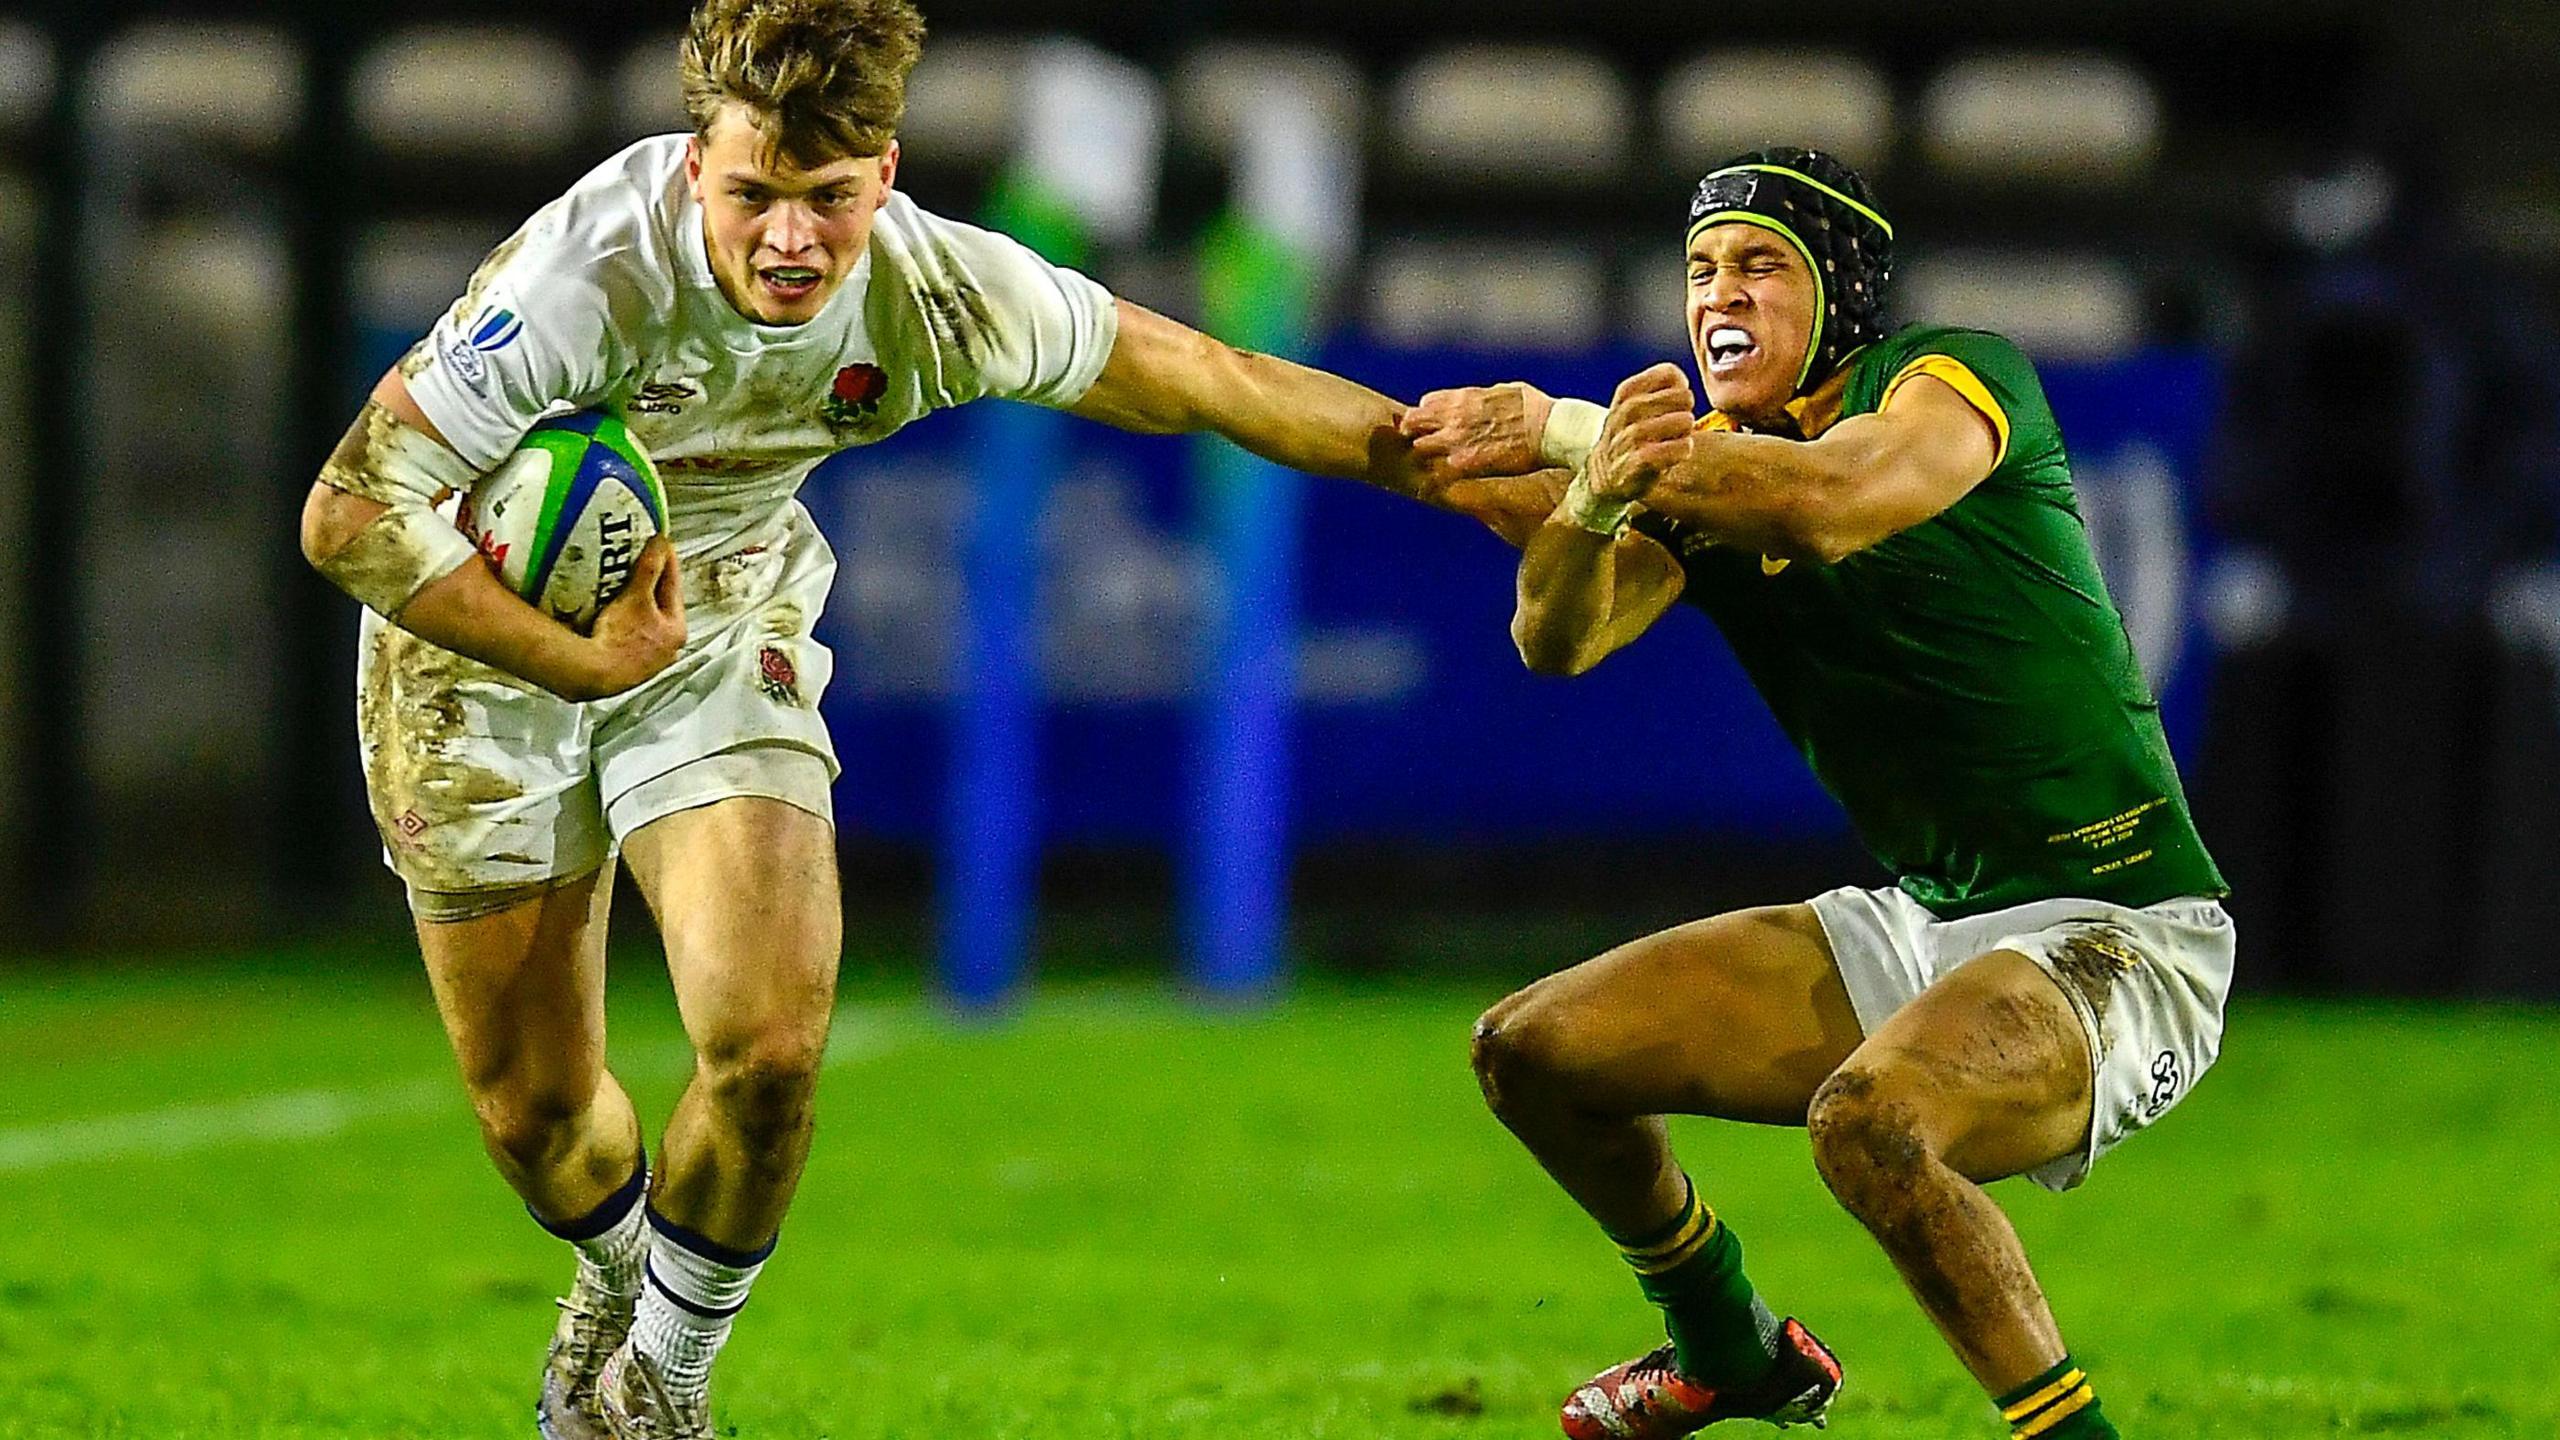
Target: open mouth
{"points": [[1729, 347], [789, 282]]}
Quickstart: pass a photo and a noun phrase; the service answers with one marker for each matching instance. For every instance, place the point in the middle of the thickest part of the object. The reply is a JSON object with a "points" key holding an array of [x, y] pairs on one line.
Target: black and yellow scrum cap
{"points": [[1827, 212]]}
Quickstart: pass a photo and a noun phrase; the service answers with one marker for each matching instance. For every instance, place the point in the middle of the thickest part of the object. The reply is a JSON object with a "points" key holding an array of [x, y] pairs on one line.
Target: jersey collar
{"points": [[1814, 412]]}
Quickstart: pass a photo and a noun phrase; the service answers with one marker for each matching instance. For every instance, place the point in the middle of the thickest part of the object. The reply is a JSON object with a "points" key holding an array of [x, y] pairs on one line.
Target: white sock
{"points": [[612, 1240], [611, 1263], [688, 1303]]}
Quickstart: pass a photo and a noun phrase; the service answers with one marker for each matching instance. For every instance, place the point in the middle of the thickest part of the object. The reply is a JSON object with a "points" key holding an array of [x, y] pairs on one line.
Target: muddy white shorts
{"points": [[487, 789], [2148, 986]]}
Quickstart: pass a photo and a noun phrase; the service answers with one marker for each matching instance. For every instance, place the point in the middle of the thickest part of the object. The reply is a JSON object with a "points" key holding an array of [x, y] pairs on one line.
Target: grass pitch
{"points": [[246, 1199]]}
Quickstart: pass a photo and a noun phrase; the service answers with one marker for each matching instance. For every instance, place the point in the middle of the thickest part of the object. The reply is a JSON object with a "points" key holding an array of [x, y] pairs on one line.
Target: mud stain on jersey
{"points": [[732, 582], [961, 320], [490, 265], [2091, 960], [355, 465], [412, 724]]}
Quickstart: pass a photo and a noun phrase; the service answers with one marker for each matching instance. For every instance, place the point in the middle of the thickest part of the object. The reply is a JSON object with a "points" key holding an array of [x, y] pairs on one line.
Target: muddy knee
{"points": [[532, 1129], [1867, 1139], [763, 1084]]}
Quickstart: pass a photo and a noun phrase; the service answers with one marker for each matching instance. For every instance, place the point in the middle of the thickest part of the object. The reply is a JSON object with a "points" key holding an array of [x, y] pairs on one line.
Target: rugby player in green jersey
{"points": [[1882, 525]]}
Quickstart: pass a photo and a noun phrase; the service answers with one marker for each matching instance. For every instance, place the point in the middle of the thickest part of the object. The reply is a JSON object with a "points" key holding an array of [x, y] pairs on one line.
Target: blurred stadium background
{"points": [[2289, 266]]}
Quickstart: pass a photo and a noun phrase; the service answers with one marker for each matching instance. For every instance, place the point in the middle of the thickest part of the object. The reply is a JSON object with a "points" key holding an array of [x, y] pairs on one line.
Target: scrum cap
{"points": [[1826, 211]]}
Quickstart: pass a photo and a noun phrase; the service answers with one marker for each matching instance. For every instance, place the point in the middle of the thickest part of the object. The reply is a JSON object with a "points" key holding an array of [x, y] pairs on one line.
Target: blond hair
{"points": [[825, 78]]}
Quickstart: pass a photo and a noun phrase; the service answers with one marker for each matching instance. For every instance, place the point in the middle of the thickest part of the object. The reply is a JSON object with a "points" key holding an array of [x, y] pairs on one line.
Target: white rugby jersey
{"points": [[605, 298]]}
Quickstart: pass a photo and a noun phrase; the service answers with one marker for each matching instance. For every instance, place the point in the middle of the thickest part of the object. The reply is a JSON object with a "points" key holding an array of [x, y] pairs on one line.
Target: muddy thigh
{"points": [[1989, 1068]]}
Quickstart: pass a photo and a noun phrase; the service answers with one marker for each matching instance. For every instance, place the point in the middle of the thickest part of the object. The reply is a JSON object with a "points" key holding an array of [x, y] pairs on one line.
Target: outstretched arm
{"points": [[1165, 378], [1867, 478]]}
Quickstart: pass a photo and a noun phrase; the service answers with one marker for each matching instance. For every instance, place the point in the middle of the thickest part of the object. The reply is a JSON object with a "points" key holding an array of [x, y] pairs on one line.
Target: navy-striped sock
{"points": [[696, 1287]]}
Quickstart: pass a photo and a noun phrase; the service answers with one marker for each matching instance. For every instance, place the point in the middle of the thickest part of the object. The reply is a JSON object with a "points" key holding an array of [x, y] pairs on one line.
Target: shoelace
{"points": [[1653, 1366], [660, 1417], [589, 1327]]}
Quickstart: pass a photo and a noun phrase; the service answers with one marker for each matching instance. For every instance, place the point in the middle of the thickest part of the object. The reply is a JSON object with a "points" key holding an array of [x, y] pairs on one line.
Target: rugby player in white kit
{"points": [[751, 297]]}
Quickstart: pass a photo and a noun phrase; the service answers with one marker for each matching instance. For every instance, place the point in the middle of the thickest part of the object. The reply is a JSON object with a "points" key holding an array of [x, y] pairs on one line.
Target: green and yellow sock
{"points": [[1692, 1268], [2059, 1404]]}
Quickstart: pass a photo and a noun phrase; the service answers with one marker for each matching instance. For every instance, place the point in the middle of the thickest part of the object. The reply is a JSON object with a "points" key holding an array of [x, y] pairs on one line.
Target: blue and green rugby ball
{"points": [[564, 518]]}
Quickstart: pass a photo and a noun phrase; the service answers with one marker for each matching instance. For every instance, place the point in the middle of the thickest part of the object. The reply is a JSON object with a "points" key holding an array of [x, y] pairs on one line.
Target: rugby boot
{"points": [[1649, 1399], [591, 1328], [636, 1404]]}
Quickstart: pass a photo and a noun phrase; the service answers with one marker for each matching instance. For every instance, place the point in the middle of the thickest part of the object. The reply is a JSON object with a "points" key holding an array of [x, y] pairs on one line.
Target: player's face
{"points": [[781, 238], [1751, 303]]}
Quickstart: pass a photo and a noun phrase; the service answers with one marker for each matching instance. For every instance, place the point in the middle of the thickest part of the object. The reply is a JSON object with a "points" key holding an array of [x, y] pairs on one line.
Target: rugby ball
{"points": [[564, 518]]}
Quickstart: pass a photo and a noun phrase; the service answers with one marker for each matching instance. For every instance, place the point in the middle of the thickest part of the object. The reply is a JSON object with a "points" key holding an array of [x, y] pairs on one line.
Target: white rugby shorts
{"points": [[483, 785], [2148, 985]]}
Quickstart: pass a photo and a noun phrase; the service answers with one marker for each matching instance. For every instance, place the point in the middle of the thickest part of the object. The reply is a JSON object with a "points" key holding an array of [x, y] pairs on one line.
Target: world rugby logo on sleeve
{"points": [[492, 330]]}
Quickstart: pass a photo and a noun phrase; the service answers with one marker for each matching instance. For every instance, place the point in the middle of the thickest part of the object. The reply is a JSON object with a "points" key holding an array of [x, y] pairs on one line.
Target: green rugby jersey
{"points": [[1966, 689]]}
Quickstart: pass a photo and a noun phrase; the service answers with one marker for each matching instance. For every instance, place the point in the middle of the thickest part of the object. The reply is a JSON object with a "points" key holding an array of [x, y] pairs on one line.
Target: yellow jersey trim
{"points": [[1951, 372]]}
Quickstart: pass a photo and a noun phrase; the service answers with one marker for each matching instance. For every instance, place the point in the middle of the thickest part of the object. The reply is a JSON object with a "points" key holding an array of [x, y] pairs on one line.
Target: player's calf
{"points": [[1985, 1075], [741, 1131], [1546, 1085]]}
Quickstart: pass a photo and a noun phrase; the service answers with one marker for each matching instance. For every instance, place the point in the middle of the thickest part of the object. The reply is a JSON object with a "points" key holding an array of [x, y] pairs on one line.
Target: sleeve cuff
{"points": [[1951, 372]]}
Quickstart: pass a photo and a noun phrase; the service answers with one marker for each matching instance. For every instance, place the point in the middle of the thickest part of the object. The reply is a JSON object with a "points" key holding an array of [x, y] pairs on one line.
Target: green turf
{"points": [[1117, 1218]]}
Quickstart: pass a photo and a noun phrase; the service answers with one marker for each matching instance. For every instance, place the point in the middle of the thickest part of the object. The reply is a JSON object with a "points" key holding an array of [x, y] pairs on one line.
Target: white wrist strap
{"points": [[1600, 517], [1573, 429]]}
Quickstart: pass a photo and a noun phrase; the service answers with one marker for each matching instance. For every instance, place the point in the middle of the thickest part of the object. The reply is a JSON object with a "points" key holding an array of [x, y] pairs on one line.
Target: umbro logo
{"points": [[2165, 1080], [665, 397]]}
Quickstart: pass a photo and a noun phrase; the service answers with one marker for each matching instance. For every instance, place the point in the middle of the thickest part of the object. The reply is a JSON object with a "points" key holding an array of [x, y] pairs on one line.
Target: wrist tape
{"points": [[1600, 517], [1573, 429]]}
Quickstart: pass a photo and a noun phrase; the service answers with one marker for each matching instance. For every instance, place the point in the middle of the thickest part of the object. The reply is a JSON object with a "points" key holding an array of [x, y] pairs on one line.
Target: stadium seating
{"points": [[483, 92], [1213, 85], [1725, 101], [189, 129], [2057, 305], [2062, 117], [961, 110], [1495, 114], [1502, 293], [26, 80], [642, 96], [236, 84], [26, 91]]}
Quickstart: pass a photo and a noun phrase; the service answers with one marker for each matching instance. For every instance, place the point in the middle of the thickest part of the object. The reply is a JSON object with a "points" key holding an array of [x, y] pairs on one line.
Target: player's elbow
{"points": [[330, 519], [1546, 647]]}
